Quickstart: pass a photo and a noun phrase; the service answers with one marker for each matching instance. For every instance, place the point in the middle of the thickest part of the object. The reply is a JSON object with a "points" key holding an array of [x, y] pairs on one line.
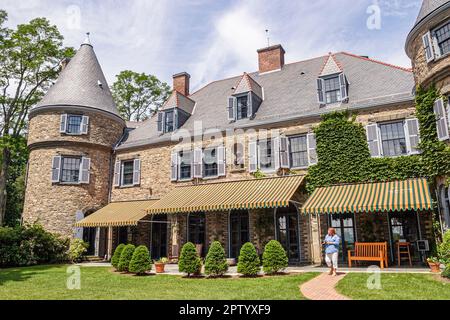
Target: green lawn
{"points": [[49, 282], [395, 286]]}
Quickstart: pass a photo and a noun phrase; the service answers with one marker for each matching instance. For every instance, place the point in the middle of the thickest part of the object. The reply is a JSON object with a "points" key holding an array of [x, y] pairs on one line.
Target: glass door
{"points": [[239, 231], [159, 237], [403, 227], [196, 231], [287, 232], [89, 235], [345, 229]]}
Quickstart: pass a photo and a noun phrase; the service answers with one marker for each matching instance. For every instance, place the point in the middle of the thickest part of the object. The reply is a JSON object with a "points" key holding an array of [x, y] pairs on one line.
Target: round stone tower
{"points": [[428, 45], [72, 133]]}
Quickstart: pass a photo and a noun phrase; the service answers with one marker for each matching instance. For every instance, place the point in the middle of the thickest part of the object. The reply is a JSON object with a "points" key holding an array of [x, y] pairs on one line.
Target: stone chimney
{"points": [[271, 58], [181, 83]]}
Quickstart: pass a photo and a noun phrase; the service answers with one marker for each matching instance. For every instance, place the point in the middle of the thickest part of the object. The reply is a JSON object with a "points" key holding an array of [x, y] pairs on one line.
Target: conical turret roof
{"points": [[428, 6], [81, 83]]}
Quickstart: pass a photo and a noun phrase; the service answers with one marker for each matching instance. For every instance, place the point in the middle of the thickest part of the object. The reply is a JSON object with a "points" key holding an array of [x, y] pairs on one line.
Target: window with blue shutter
{"points": [[85, 169], [56, 169], [413, 135], [137, 172], [320, 93], [232, 103], [441, 120], [253, 156], [428, 46], [312, 153]]}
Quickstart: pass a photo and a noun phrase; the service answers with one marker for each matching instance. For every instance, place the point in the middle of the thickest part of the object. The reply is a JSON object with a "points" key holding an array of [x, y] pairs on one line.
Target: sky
{"points": [[215, 39]]}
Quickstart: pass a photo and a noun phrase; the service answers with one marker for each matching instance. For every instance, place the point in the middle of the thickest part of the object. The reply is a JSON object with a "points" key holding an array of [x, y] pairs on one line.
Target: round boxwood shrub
{"points": [[116, 256], [189, 262], [140, 262], [274, 257], [216, 263], [248, 262], [125, 257]]}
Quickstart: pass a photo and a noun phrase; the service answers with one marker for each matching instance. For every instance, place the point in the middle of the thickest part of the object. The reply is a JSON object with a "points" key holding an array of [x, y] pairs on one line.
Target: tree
{"points": [[138, 95], [116, 256], [248, 262], [274, 257], [125, 257], [140, 262], [215, 262], [30, 57], [189, 262]]}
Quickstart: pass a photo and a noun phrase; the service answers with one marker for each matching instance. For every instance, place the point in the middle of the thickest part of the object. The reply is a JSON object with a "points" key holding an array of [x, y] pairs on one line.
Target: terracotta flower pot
{"points": [[159, 267], [435, 267]]}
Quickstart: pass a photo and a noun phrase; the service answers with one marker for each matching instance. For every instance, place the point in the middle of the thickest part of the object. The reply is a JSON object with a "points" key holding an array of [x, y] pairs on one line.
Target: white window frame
{"points": [[434, 44], [122, 165], [179, 165], [83, 120], [307, 151], [405, 131], [272, 168]]}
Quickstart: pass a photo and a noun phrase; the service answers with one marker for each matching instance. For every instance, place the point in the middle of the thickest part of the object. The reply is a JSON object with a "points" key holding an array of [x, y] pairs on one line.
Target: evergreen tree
{"points": [[274, 257], [216, 263], [248, 263], [189, 262]]}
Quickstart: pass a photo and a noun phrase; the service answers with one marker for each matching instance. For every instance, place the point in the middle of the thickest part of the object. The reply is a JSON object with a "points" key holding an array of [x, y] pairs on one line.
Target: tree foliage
{"points": [[215, 262], [30, 56], [138, 95], [140, 262], [116, 256], [125, 257]]}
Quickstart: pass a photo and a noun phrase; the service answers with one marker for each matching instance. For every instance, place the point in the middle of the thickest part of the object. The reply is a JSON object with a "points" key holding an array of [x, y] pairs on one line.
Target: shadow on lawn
{"points": [[20, 273]]}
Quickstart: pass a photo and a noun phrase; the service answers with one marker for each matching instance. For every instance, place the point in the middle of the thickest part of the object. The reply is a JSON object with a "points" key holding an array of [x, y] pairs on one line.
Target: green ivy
{"points": [[344, 156]]}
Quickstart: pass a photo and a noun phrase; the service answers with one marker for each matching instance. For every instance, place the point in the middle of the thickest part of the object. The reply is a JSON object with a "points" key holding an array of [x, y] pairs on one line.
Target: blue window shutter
{"points": [[428, 46], [253, 156], [137, 172], [284, 153], [441, 122], [373, 140], [221, 161], [117, 166], [198, 163], [250, 105], [320, 89], [311, 146], [84, 125], [56, 169], [343, 84], [232, 106], [412, 135], [174, 166], [85, 167], [160, 121], [175, 119], [63, 123]]}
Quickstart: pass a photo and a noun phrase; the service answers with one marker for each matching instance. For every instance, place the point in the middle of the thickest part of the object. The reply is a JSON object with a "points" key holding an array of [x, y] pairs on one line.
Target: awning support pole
{"points": [[420, 233]]}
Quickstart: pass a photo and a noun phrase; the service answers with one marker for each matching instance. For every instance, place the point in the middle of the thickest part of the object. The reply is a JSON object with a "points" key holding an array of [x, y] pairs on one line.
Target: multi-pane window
{"points": [[185, 165], [168, 121], [393, 140], [242, 107], [443, 38], [265, 154], [239, 231], [74, 124], [210, 163], [127, 173], [238, 151], [70, 170], [298, 151], [332, 90]]}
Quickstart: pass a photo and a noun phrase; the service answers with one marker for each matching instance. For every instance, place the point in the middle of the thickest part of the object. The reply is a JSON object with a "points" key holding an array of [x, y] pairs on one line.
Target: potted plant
{"points": [[434, 264], [160, 264]]}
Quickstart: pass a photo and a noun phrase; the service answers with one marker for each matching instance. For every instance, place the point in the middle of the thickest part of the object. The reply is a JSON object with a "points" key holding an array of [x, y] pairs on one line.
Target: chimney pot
{"points": [[271, 58], [181, 83]]}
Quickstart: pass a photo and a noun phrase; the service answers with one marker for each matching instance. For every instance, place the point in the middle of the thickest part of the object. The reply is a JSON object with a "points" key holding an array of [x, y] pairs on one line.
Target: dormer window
{"points": [[246, 99], [242, 107], [169, 121], [332, 89], [74, 124]]}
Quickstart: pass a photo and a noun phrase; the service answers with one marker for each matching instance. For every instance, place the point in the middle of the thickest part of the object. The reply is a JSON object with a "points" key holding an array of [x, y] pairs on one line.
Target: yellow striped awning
{"points": [[117, 214], [243, 194], [412, 194]]}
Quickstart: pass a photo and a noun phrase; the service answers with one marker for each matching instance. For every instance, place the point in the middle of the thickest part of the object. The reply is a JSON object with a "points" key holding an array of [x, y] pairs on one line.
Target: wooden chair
{"points": [[403, 252], [369, 251]]}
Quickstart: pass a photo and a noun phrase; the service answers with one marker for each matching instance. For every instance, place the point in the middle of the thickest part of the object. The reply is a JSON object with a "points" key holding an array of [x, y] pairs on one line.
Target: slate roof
{"points": [[177, 100], [331, 66], [247, 84], [78, 84], [428, 6], [291, 94]]}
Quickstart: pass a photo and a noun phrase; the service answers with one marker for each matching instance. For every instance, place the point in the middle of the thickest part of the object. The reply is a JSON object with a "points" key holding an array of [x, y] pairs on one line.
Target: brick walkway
{"points": [[322, 288]]}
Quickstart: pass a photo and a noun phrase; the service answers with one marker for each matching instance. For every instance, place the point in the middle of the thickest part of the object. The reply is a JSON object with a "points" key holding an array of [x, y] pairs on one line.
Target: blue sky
{"points": [[217, 39]]}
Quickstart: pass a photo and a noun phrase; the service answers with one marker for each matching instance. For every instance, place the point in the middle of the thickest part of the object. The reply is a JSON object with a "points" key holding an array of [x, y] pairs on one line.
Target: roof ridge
{"points": [[376, 61]]}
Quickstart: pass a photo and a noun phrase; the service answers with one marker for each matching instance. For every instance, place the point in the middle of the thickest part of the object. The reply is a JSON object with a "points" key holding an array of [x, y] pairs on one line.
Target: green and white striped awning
{"points": [[412, 194]]}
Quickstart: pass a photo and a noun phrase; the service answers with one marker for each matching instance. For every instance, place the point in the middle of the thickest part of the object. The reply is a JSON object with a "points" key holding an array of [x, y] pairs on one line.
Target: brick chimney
{"points": [[271, 58], [181, 83]]}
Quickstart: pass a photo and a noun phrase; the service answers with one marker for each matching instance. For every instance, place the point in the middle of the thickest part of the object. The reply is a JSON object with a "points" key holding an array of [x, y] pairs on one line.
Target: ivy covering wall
{"points": [[344, 155]]}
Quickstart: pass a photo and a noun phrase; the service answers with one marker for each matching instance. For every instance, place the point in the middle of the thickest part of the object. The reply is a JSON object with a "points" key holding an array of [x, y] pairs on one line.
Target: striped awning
{"points": [[244, 194], [117, 214], [412, 194]]}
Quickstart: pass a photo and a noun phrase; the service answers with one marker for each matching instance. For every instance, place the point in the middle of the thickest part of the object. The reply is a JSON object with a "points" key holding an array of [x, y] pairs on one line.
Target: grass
{"points": [[395, 286], [49, 282]]}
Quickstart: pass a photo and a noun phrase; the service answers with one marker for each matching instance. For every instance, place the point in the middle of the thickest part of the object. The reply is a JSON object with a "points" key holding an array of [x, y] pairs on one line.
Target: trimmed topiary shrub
{"points": [[274, 257], [116, 256], [140, 262], [248, 262], [125, 257], [189, 262], [216, 263]]}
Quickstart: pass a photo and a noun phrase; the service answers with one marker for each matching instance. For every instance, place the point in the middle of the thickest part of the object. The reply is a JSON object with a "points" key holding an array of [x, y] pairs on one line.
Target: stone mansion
{"points": [[95, 176]]}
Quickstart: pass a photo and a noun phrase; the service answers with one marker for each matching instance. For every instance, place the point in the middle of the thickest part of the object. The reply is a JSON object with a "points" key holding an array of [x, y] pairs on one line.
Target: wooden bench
{"points": [[369, 251]]}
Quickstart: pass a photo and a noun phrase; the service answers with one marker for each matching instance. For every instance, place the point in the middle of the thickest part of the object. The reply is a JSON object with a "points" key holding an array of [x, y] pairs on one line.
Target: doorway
{"points": [[345, 229], [159, 237], [239, 231], [197, 231], [287, 232]]}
